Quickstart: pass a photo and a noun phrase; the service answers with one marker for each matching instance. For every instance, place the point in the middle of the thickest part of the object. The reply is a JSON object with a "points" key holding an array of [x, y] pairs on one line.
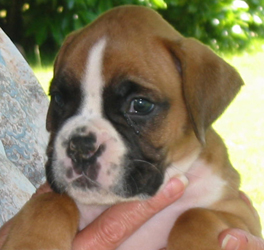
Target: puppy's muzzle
{"points": [[84, 152]]}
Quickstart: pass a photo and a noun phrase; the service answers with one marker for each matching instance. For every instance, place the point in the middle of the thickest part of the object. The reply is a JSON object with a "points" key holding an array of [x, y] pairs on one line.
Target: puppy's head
{"points": [[130, 97]]}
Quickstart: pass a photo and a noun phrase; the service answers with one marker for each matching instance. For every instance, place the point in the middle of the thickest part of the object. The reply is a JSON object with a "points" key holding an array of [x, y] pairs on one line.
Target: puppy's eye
{"points": [[57, 97], [140, 106]]}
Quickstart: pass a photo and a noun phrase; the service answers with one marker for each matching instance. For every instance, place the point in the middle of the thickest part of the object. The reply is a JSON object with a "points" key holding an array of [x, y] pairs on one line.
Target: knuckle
{"points": [[149, 207], [259, 243], [152, 206], [111, 231]]}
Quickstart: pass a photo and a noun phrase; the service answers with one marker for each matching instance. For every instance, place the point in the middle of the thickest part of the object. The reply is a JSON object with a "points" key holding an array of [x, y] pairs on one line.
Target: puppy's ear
{"points": [[209, 84]]}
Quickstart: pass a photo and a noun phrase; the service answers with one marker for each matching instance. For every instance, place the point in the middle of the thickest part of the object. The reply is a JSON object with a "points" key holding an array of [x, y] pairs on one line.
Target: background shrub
{"points": [[43, 24]]}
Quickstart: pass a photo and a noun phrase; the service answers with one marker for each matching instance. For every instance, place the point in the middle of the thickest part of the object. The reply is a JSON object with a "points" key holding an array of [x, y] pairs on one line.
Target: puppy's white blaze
{"points": [[93, 80]]}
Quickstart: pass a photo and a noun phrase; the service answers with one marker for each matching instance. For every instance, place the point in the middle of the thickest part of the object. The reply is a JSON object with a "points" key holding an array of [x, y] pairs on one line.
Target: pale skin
{"points": [[116, 224]]}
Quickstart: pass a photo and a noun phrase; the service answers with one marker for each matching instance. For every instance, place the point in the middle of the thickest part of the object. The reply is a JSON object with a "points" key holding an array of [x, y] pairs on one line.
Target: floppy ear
{"points": [[209, 84]]}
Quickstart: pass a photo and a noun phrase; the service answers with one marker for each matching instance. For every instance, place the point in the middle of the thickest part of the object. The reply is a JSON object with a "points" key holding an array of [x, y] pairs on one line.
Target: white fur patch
{"points": [[203, 190], [89, 119], [204, 187], [93, 81]]}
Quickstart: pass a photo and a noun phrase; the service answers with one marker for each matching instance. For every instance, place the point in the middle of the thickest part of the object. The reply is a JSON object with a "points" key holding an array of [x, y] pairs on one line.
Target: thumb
{"points": [[117, 223], [237, 239]]}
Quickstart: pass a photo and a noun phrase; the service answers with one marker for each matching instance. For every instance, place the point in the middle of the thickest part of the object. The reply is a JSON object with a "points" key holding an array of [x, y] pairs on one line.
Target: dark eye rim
{"points": [[136, 112], [58, 99]]}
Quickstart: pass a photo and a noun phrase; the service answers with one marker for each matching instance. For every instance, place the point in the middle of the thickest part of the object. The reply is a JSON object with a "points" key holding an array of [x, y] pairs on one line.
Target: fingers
{"points": [[116, 224], [236, 239]]}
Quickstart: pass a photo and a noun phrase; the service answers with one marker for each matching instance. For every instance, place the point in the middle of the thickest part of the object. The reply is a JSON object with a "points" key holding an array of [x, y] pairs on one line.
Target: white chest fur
{"points": [[204, 189]]}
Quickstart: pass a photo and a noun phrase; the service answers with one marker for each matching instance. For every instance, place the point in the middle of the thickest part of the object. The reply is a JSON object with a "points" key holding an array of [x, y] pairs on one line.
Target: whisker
{"points": [[146, 162], [97, 183], [149, 163]]}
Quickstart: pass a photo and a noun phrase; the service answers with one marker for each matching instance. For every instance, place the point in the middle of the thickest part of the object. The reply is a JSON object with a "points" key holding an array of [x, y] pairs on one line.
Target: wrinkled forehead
{"points": [[131, 47], [144, 61]]}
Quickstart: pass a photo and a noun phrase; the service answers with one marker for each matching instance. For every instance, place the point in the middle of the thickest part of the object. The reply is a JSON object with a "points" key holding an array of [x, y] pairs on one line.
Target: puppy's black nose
{"points": [[81, 148]]}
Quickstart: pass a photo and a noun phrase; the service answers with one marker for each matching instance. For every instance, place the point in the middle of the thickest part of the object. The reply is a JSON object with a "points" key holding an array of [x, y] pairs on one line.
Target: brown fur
{"points": [[49, 220], [199, 86]]}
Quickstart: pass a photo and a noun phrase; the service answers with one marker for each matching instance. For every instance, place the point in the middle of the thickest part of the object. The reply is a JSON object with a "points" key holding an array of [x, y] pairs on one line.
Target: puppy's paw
{"points": [[48, 221]]}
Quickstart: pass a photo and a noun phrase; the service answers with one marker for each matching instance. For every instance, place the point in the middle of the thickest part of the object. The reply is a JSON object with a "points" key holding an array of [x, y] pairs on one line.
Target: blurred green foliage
{"points": [[224, 25], [56, 20]]}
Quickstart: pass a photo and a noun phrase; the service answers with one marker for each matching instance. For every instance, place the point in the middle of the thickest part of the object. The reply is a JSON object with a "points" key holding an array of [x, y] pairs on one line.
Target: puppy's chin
{"points": [[136, 182], [101, 197], [88, 192]]}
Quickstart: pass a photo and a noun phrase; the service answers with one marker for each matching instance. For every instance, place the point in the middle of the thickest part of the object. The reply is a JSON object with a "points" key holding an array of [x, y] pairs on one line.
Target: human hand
{"points": [[236, 239], [117, 223], [126, 218]]}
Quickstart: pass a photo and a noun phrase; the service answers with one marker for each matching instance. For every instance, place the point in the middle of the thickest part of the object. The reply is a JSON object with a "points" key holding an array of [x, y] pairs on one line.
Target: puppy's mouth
{"points": [[85, 182], [85, 167], [94, 165], [85, 161], [83, 176]]}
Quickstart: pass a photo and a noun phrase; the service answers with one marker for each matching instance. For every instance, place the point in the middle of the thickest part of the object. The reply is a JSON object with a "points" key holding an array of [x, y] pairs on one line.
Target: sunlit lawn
{"points": [[242, 125], [44, 75]]}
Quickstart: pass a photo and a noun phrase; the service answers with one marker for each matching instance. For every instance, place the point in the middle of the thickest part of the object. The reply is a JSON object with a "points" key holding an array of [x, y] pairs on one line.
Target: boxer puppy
{"points": [[132, 104]]}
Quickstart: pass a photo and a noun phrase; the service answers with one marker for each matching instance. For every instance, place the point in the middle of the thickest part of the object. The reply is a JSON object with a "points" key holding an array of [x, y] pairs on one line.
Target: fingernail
{"points": [[175, 186], [230, 242], [184, 180]]}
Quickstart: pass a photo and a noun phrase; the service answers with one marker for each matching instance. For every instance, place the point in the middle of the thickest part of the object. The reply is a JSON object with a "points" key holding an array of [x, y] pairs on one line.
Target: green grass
{"points": [[44, 75], [241, 126]]}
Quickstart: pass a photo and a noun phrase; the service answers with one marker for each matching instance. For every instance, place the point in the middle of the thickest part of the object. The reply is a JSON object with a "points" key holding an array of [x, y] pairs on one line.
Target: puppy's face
{"points": [[118, 115]]}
